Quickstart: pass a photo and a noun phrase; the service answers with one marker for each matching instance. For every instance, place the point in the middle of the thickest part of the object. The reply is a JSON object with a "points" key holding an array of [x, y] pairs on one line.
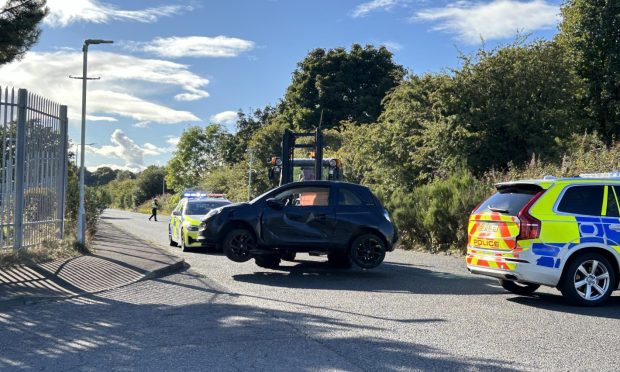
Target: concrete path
{"points": [[119, 258]]}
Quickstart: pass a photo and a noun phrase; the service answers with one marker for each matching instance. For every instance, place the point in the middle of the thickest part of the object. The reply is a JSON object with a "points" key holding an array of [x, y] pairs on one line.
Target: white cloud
{"points": [[126, 149], [225, 118], [393, 45], [193, 46], [113, 166], [371, 6], [124, 79], [496, 19], [173, 140], [65, 12]]}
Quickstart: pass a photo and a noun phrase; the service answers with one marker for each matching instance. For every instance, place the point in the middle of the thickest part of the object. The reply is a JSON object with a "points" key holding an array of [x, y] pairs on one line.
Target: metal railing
{"points": [[33, 169]]}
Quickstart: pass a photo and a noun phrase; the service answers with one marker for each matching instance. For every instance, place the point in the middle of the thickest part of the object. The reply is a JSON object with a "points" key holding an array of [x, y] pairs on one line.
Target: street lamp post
{"points": [[81, 233]]}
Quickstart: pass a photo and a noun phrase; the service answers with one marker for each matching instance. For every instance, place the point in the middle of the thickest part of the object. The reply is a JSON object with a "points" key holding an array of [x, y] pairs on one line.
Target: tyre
{"points": [[289, 256], [588, 280], [367, 251], [340, 260], [268, 261], [519, 288], [170, 241], [184, 247], [237, 245]]}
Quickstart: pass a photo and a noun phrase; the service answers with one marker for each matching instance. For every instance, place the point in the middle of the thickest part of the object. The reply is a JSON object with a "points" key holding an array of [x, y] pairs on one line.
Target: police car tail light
{"points": [[530, 226]]}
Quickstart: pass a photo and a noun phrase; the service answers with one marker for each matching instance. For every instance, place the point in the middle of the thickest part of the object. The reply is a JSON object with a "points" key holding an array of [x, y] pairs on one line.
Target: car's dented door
{"points": [[307, 218]]}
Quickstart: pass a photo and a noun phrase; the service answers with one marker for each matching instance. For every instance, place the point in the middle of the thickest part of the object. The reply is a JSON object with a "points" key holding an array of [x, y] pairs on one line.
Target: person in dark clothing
{"points": [[154, 208]]}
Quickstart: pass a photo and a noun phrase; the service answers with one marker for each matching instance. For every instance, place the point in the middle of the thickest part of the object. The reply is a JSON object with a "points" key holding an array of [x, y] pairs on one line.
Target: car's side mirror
{"points": [[275, 203], [176, 213]]}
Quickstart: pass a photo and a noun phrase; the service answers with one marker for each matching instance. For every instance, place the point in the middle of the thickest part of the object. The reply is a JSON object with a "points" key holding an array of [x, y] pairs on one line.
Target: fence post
{"points": [[62, 168], [20, 164]]}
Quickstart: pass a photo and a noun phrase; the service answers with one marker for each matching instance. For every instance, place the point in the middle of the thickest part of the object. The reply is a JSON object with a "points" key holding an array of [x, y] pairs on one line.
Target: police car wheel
{"points": [[518, 288], [170, 241], [588, 280], [367, 251], [237, 245]]}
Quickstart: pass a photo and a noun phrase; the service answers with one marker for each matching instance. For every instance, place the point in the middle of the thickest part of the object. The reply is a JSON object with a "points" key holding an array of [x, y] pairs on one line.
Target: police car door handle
{"points": [[615, 227]]}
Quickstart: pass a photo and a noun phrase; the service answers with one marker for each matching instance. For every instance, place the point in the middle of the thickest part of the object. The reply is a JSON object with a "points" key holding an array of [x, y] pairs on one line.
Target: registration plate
{"points": [[488, 227]]}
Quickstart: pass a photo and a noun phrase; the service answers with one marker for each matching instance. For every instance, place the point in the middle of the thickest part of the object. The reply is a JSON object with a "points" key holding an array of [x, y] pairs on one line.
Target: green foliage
{"points": [[150, 183], [123, 192], [340, 85], [590, 31], [199, 150], [19, 27]]}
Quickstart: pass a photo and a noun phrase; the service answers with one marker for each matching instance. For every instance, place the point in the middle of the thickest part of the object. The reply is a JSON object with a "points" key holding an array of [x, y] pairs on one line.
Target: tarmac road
{"points": [[415, 312]]}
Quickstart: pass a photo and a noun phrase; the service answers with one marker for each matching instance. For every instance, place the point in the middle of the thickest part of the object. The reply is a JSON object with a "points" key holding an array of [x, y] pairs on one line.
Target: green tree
{"points": [[199, 150], [340, 85], [19, 27], [591, 32], [149, 183]]}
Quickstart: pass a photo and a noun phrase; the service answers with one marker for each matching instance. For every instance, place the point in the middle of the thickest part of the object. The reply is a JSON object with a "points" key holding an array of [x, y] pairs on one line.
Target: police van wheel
{"points": [[518, 288], [588, 280], [184, 247]]}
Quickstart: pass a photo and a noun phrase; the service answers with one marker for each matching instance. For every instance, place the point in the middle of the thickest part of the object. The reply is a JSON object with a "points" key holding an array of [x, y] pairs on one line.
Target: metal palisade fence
{"points": [[33, 169]]}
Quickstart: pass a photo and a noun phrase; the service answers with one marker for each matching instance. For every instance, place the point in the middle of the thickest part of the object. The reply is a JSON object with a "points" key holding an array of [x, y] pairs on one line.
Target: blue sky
{"points": [[177, 63]]}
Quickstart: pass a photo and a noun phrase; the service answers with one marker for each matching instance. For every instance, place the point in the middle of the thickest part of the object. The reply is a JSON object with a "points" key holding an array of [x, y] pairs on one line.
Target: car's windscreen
{"points": [[198, 208], [509, 199]]}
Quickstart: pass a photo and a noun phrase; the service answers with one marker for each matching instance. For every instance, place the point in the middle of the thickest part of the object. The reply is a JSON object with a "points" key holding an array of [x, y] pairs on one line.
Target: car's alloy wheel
{"points": [[367, 251], [519, 288], [589, 280], [170, 241], [184, 247], [238, 244]]}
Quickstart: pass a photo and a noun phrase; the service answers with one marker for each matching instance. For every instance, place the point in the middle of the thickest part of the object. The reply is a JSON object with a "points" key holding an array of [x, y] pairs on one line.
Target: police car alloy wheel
{"points": [[588, 280]]}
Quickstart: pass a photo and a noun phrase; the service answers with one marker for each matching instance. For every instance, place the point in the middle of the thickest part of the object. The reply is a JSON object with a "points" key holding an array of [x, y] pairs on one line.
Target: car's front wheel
{"points": [[367, 251], [518, 288], [588, 280], [237, 245], [184, 246]]}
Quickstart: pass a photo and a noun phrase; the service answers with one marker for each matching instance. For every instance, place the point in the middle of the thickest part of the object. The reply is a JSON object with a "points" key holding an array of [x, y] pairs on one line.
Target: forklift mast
{"points": [[289, 144]]}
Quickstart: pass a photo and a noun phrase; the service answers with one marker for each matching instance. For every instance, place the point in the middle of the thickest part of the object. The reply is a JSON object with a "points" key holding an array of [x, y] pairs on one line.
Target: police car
{"points": [[186, 217], [562, 233]]}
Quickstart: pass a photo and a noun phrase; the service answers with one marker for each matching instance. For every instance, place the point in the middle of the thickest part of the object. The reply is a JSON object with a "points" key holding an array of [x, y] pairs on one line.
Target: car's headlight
{"points": [[192, 228], [386, 214], [212, 213]]}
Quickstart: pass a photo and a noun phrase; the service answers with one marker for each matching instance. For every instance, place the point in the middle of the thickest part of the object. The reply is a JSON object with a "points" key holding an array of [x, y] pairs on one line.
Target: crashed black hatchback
{"points": [[345, 221]]}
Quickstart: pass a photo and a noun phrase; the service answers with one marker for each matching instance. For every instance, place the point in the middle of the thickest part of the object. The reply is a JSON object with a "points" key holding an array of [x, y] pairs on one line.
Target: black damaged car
{"points": [[342, 220]]}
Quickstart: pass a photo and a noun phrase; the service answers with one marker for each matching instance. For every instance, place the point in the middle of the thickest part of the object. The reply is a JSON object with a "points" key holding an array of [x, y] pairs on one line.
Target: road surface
{"points": [[415, 312]]}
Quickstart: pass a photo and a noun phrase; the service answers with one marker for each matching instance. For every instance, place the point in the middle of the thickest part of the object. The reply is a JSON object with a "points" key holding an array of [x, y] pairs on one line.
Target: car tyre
{"points": [[237, 245], [519, 288], [268, 261], [588, 280], [184, 248], [170, 241], [367, 251], [340, 260]]}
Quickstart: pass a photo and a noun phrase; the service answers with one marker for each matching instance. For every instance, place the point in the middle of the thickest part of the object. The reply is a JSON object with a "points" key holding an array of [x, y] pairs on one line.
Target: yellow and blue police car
{"points": [[558, 232], [187, 215]]}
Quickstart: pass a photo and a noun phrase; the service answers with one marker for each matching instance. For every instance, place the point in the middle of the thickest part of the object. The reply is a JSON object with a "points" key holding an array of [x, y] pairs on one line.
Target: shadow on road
{"points": [[553, 302], [165, 326], [389, 277], [113, 218]]}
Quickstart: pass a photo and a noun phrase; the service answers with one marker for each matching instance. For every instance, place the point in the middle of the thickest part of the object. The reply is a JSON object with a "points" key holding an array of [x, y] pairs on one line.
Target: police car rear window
{"points": [[586, 200], [509, 199]]}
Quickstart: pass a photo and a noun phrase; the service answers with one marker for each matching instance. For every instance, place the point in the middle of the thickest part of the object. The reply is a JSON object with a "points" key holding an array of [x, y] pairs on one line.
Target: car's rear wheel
{"points": [[518, 288], [237, 245], [268, 261], [170, 241], [367, 251], [340, 260], [588, 280]]}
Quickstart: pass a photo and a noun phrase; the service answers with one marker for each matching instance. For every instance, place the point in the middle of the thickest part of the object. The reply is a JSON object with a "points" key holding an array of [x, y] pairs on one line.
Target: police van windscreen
{"points": [[199, 208], [509, 199]]}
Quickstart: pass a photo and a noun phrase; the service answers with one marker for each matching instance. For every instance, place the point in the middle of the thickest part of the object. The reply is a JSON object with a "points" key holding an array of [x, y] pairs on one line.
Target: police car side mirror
{"points": [[176, 213], [274, 203]]}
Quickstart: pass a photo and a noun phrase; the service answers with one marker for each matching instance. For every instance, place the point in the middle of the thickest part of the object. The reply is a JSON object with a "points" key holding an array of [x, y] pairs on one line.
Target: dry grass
{"points": [[47, 251]]}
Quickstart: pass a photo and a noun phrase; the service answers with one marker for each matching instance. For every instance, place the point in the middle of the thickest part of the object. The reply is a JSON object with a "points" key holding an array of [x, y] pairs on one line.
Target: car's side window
{"points": [[585, 200], [305, 197], [348, 198], [612, 202]]}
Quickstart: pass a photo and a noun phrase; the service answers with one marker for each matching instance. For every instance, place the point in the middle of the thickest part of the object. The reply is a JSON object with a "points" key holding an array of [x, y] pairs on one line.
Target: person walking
{"points": [[154, 208]]}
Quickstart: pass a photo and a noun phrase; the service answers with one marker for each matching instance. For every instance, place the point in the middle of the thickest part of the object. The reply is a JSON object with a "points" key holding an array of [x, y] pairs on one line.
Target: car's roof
{"points": [[324, 183], [548, 181]]}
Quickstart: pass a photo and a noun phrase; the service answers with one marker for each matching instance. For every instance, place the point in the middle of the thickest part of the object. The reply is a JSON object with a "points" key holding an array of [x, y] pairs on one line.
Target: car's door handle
{"points": [[615, 227]]}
